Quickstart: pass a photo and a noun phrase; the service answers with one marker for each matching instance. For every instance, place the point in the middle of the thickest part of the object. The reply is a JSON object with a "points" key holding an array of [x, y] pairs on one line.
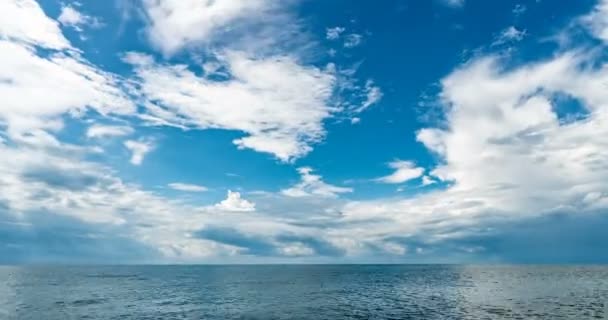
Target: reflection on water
{"points": [[304, 292]]}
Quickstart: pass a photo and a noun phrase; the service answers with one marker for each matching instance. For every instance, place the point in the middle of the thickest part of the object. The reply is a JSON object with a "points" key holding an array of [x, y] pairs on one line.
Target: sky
{"points": [[303, 131]]}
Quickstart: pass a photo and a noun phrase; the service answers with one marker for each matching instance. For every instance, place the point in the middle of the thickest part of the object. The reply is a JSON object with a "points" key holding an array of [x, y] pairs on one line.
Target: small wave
{"points": [[112, 276], [87, 302]]}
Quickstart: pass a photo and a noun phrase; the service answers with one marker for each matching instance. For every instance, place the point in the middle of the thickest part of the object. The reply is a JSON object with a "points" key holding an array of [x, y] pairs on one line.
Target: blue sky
{"points": [[303, 131]]}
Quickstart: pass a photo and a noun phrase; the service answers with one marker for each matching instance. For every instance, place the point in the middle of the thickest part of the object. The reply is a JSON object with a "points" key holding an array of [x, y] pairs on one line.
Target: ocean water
{"points": [[304, 292]]}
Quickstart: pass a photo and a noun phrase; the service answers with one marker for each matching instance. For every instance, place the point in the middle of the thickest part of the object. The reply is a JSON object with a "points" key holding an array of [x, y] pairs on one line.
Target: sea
{"points": [[304, 292]]}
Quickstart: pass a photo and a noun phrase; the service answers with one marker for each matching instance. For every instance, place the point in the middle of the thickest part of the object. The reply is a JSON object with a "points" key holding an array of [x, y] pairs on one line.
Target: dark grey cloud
{"points": [[267, 246], [320, 246], [253, 245], [555, 238], [60, 178], [48, 238]]}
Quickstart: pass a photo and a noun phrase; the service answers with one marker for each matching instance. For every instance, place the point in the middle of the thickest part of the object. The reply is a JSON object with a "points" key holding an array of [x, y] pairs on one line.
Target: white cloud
{"points": [[404, 171], [597, 20], [510, 34], [106, 131], [426, 181], [296, 250], [175, 24], [373, 95], [519, 9], [334, 33], [187, 187], [281, 102], [39, 183], [352, 40], [234, 203], [277, 102], [73, 83], [510, 134], [394, 248], [70, 17], [505, 151], [30, 77], [454, 3], [24, 21], [139, 149], [313, 185]]}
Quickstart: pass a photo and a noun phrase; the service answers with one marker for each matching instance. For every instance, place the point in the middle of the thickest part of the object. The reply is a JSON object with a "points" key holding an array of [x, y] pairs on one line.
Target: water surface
{"points": [[304, 292]]}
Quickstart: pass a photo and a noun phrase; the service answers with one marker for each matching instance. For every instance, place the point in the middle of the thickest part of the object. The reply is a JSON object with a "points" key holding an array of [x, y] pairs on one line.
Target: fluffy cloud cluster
{"points": [[518, 143], [30, 76], [175, 24], [277, 102], [234, 203]]}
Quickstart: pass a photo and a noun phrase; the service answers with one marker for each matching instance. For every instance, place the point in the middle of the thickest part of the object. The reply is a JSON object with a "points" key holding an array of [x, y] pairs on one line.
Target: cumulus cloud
{"points": [[506, 150], [234, 203], [40, 184], [334, 33], [426, 181], [187, 187], [108, 131], [175, 24], [597, 21], [279, 104], [313, 185], [352, 40], [511, 134], [282, 102], [404, 171], [43, 177], [71, 17], [30, 76], [139, 149], [25, 22], [510, 34]]}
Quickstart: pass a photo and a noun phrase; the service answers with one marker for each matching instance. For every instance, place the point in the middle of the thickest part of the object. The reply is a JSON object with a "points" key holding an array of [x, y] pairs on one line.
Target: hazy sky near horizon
{"points": [[262, 131]]}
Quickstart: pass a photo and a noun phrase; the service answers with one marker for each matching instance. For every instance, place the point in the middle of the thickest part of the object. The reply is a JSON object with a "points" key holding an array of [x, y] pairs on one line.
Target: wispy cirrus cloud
{"points": [[100, 131], [187, 187], [313, 185], [454, 3], [71, 17], [510, 34], [404, 171]]}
